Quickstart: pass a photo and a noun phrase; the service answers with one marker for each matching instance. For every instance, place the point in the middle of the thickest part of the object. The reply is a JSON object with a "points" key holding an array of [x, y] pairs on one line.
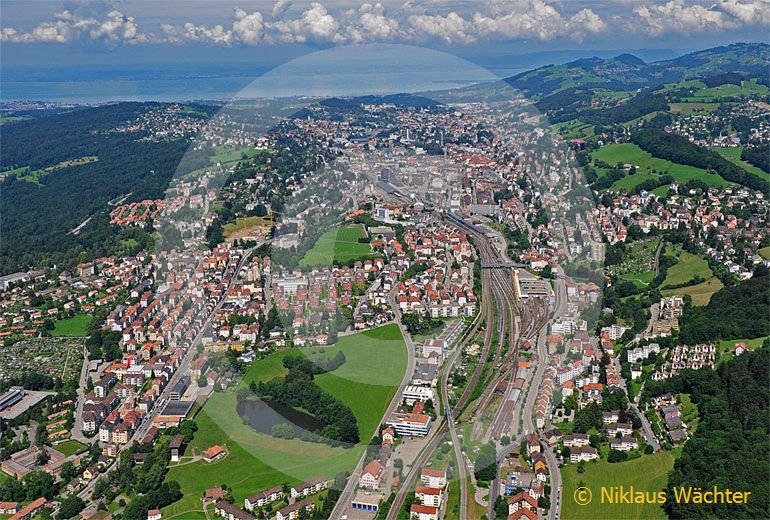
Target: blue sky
{"points": [[63, 33]]}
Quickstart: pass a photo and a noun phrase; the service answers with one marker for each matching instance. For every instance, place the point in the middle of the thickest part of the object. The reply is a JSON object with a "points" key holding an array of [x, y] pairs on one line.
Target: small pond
{"points": [[263, 414]]}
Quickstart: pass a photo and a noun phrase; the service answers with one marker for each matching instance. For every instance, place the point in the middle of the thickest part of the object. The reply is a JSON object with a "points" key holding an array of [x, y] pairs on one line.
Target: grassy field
{"points": [[70, 447], [764, 252], [711, 94], [75, 326], [574, 129], [337, 245], [255, 460], [240, 470], [629, 153], [701, 293], [727, 346], [642, 279], [225, 154], [689, 412], [374, 366], [688, 267], [647, 473], [734, 155], [34, 176], [692, 108]]}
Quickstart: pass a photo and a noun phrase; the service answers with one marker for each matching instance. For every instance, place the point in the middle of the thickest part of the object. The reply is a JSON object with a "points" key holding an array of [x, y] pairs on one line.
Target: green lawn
{"points": [[374, 366], [70, 447], [574, 129], [337, 245], [640, 279], [692, 108], [629, 153], [75, 326], [646, 473], [734, 155], [688, 267], [727, 346], [764, 252], [225, 154], [689, 412], [701, 293], [745, 89], [240, 470]]}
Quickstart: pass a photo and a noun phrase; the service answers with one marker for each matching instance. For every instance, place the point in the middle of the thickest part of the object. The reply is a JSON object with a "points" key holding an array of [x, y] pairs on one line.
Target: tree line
{"points": [[679, 149], [299, 390]]}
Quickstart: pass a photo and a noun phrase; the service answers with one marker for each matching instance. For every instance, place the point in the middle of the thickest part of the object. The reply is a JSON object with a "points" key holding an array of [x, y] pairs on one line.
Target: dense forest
{"points": [[758, 155], [740, 311], [678, 149], [731, 445], [37, 218], [637, 106]]}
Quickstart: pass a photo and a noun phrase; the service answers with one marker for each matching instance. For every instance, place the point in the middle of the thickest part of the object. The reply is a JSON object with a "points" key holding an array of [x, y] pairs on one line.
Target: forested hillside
{"points": [[731, 445], [740, 311], [37, 217], [627, 72]]}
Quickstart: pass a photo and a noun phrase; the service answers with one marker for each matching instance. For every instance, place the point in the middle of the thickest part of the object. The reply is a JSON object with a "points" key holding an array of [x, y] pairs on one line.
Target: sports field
{"points": [[247, 225], [75, 326], [374, 366], [646, 473], [338, 245], [70, 447]]}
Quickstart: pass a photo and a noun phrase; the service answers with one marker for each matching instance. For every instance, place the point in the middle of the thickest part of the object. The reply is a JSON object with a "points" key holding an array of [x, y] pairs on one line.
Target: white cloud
{"points": [[585, 22], [314, 25], [248, 28], [369, 23], [190, 32], [449, 22], [448, 29], [117, 28], [66, 27], [526, 19], [280, 7], [676, 16], [751, 12]]}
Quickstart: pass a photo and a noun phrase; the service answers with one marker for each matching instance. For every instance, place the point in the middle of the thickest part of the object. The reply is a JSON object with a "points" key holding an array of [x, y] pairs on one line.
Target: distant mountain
{"points": [[627, 72]]}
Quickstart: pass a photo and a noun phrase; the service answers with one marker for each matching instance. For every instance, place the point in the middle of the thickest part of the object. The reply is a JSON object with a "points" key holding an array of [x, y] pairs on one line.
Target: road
{"points": [[77, 428], [350, 487]]}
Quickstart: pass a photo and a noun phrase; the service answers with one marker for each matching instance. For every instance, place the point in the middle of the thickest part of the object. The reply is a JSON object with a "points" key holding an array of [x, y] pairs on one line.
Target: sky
{"points": [[121, 32]]}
